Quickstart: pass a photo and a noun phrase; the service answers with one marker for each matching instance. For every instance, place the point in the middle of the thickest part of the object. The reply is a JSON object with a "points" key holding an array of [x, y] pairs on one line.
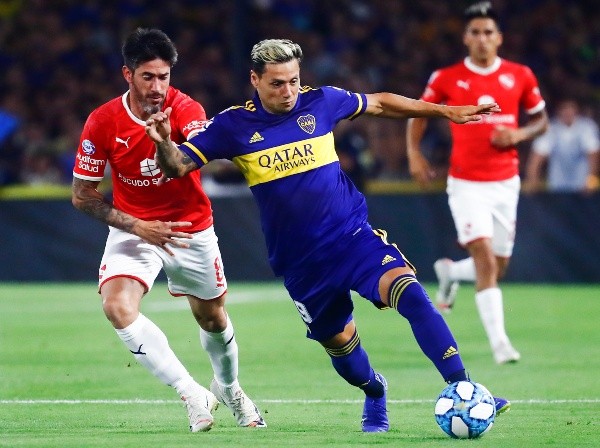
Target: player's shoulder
{"points": [[514, 66], [108, 113], [178, 100], [448, 71]]}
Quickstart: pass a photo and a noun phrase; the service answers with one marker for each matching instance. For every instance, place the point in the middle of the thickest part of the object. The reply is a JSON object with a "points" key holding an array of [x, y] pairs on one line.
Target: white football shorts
{"points": [[485, 210], [196, 271]]}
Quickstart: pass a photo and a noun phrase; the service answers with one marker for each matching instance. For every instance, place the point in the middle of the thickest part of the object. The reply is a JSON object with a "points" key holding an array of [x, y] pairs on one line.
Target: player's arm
{"points": [[504, 137], [418, 165], [390, 105], [87, 198], [172, 161], [533, 172]]}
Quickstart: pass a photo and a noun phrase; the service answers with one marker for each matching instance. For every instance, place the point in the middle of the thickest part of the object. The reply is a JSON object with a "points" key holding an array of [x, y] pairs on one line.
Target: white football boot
{"points": [[200, 404], [447, 289], [244, 410]]}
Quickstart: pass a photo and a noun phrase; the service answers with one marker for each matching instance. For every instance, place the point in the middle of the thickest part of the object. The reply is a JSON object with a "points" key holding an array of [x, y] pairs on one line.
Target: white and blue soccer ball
{"points": [[465, 410]]}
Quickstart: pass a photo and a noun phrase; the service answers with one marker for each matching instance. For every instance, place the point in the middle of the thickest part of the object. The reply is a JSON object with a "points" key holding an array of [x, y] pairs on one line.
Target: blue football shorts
{"points": [[321, 292]]}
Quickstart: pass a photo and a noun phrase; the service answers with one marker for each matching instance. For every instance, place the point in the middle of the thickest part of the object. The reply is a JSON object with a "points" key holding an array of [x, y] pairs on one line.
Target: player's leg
{"points": [[217, 337], [324, 304], [197, 272], [491, 260], [399, 289], [386, 278], [129, 268], [351, 362]]}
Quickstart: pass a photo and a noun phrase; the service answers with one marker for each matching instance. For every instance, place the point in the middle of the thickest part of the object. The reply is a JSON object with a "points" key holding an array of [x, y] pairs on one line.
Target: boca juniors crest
{"points": [[307, 123]]}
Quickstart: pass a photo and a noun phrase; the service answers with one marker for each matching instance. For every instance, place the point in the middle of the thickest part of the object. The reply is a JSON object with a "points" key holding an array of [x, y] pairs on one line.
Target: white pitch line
{"points": [[287, 401]]}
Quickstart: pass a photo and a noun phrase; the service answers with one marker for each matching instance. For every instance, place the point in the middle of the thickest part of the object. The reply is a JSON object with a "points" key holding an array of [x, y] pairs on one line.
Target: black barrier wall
{"points": [[558, 238]]}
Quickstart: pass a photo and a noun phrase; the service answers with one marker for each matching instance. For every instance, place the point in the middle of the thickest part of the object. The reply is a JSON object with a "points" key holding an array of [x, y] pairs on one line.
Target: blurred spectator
{"points": [[571, 151], [58, 57]]}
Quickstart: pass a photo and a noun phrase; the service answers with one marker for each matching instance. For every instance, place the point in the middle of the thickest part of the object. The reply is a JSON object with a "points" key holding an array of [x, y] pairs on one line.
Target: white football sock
{"points": [[151, 349], [222, 350], [462, 270], [491, 312]]}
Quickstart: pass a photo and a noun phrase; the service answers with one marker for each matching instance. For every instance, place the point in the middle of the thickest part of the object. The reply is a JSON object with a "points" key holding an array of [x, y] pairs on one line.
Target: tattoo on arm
{"points": [[90, 201]]}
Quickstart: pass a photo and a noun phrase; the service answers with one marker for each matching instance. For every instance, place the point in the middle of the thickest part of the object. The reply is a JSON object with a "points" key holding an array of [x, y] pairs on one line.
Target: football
{"points": [[465, 410]]}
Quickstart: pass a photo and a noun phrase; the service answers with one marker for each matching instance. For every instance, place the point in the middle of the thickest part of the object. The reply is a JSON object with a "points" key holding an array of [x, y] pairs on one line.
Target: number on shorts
{"points": [[304, 314]]}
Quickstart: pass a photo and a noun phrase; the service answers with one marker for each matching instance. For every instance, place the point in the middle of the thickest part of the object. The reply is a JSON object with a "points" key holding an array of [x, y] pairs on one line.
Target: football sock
{"points": [[151, 349], [462, 270], [222, 350], [491, 312], [428, 326], [352, 363]]}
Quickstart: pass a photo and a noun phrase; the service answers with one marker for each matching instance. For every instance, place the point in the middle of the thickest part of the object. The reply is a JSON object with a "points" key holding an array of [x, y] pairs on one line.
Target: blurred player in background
{"points": [[571, 151], [483, 181], [313, 217], [158, 225]]}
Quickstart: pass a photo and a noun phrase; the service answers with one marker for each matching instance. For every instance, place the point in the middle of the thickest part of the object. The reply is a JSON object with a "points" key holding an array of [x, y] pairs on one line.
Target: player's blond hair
{"points": [[274, 51]]}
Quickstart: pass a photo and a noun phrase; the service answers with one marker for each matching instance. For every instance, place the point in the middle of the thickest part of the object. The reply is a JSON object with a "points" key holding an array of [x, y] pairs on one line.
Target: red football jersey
{"points": [[512, 86], [113, 135]]}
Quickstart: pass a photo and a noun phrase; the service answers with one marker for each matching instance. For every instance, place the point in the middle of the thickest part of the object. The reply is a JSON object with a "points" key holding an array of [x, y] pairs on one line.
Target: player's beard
{"points": [[152, 108]]}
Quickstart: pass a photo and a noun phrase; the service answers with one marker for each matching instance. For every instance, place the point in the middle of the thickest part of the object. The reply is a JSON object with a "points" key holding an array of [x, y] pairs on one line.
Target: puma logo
{"points": [[139, 351], [125, 142]]}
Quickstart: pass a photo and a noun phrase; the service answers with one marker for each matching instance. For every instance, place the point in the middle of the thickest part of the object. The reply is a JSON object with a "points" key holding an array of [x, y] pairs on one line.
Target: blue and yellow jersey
{"points": [[306, 202]]}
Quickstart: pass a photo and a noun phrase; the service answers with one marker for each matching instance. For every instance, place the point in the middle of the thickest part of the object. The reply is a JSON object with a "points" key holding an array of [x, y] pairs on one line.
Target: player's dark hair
{"points": [[146, 44], [481, 10], [274, 51]]}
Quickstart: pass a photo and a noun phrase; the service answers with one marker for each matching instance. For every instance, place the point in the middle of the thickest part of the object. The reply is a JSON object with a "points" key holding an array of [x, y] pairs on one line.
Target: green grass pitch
{"points": [[67, 381]]}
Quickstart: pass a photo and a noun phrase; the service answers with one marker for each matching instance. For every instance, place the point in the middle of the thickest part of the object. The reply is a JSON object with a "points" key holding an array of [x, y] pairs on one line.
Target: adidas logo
{"points": [[387, 259], [256, 137], [450, 352]]}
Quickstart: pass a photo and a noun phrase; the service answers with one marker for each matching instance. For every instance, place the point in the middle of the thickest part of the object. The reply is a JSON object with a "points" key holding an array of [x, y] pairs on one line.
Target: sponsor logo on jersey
{"points": [[256, 137], [387, 259], [125, 142], [88, 163], [307, 123], [88, 147], [149, 168], [196, 124], [462, 84], [286, 160]]}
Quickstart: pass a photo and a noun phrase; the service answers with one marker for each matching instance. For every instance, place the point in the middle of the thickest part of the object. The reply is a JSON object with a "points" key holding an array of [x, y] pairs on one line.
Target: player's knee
{"points": [[410, 298], [119, 311]]}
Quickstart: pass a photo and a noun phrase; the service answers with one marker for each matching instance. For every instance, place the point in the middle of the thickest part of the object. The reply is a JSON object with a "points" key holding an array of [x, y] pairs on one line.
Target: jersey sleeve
{"points": [[532, 100], [92, 152], [433, 92], [210, 142], [190, 118], [344, 104]]}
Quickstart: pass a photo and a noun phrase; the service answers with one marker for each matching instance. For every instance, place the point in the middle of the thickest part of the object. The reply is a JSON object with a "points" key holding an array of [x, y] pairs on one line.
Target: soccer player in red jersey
{"points": [[155, 224], [483, 180]]}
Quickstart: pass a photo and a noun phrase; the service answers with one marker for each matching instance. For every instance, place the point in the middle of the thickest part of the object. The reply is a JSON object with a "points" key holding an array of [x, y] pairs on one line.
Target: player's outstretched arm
{"points": [[172, 161], [390, 105], [88, 199]]}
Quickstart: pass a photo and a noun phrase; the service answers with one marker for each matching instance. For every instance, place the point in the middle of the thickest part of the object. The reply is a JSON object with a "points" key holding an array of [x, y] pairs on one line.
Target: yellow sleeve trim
{"points": [[196, 151]]}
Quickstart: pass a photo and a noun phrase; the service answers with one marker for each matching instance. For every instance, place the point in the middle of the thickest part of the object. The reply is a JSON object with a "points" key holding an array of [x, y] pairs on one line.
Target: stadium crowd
{"points": [[58, 59]]}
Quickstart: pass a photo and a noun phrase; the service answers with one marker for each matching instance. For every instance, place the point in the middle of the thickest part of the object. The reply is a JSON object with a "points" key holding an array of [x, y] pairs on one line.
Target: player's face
{"points": [[482, 37], [278, 86], [148, 86]]}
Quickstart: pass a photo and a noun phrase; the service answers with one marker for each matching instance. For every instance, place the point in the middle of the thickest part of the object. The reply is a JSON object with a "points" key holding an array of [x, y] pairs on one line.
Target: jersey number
{"points": [[304, 314]]}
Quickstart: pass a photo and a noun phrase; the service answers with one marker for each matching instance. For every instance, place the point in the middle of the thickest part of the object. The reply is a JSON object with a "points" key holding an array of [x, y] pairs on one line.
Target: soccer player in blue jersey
{"points": [[313, 217]]}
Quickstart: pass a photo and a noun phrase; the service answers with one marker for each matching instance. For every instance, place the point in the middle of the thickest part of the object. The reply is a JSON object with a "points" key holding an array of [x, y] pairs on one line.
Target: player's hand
{"points": [[504, 137], [465, 114], [420, 169], [158, 126], [161, 233]]}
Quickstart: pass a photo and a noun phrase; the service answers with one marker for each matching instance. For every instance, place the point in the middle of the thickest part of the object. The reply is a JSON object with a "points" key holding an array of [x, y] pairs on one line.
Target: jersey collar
{"points": [[131, 115], [483, 71]]}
